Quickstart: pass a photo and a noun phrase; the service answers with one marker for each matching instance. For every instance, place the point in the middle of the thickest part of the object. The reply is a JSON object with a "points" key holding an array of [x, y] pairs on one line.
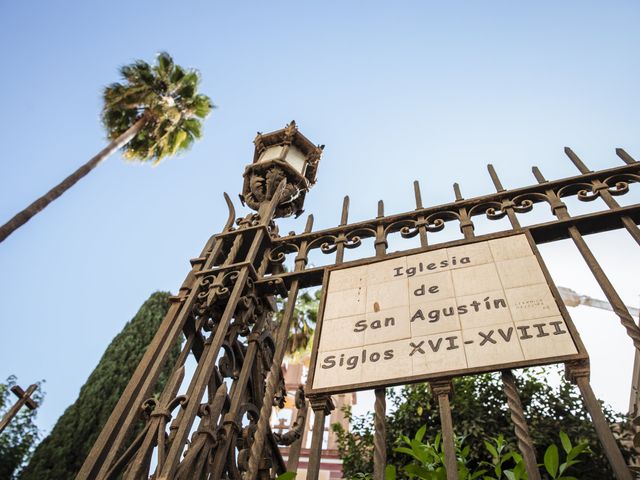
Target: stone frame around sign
{"points": [[581, 354]]}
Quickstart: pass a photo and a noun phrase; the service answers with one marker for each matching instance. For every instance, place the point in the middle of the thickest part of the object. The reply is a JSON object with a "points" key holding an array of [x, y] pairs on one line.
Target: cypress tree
{"points": [[61, 454]]}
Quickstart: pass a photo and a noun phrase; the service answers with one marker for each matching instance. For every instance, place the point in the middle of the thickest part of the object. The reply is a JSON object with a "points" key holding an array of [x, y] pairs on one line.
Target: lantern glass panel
{"points": [[296, 159], [271, 153]]}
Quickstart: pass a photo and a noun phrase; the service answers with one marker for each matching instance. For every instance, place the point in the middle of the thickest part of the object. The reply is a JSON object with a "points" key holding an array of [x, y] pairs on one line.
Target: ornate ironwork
{"points": [[215, 423]]}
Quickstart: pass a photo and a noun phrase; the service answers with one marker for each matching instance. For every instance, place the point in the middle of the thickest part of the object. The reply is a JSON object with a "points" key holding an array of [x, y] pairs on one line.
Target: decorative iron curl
{"points": [[153, 408], [227, 363], [247, 434], [619, 184], [408, 228], [267, 349], [524, 203], [279, 254], [584, 191], [354, 238], [620, 188], [436, 221], [492, 210]]}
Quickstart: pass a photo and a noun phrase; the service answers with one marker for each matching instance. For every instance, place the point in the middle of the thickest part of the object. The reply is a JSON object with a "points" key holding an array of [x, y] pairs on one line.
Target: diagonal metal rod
{"points": [[380, 405], [525, 444], [559, 209], [442, 390], [579, 374]]}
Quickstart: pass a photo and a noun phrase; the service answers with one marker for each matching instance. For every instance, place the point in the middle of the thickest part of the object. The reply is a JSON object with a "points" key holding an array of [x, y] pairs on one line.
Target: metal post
{"points": [[525, 444], [520, 423], [272, 381], [24, 398], [321, 406], [579, 374], [442, 389], [380, 406], [380, 439]]}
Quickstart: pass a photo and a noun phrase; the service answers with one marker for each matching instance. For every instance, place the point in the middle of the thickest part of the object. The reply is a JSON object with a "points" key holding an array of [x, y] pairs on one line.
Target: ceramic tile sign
{"points": [[476, 307]]}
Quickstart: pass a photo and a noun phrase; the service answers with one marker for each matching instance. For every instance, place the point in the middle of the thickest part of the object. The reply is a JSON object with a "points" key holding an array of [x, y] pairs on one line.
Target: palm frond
{"points": [[167, 94]]}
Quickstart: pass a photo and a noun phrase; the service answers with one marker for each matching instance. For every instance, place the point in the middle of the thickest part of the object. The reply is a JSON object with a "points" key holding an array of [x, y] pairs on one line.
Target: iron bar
{"points": [[442, 390], [466, 225], [206, 365], [321, 406], [422, 230], [542, 233], [344, 218], [273, 379], [525, 444], [247, 259], [380, 405], [626, 158], [559, 209], [603, 190], [579, 374], [230, 424], [276, 365], [471, 202], [121, 421]]}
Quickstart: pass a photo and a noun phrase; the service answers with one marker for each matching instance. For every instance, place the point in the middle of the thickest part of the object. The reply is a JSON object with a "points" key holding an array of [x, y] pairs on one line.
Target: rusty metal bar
{"points": [[579, 374], [422, 229], [207, 363], [542, 233], [442, 390], [582, 168], [466, 225], [525, 444], [321, 406], [344, 218], [531, 190], [626, 158], [121, 421], [380, 405], [601, 189], [273, 379], [560, 210]]}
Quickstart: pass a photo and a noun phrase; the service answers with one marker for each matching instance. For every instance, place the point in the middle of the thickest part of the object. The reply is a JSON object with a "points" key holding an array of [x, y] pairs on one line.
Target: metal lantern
{"points": [[285, 154]]}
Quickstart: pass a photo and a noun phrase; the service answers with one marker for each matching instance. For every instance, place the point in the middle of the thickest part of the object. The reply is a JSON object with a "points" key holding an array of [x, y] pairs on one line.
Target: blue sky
{"points": [[396, 91]]}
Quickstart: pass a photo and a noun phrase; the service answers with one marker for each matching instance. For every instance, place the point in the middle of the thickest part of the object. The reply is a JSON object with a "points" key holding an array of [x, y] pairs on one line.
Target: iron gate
{"points": [[215, 424]]}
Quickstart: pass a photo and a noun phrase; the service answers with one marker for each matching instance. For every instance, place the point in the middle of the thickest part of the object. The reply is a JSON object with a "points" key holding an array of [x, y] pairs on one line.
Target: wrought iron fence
{"points": [[215, 424]]}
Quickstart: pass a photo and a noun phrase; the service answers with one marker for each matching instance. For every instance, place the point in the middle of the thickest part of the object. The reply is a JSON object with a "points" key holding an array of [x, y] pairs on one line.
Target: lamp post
{"points": [[285, 154]]}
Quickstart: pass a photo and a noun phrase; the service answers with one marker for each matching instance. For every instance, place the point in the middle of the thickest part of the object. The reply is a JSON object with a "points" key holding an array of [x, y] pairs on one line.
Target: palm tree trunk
{"points": [[25, 215]]}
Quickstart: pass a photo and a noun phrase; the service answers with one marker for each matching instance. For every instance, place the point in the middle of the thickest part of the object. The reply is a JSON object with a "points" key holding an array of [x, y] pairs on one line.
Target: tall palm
{"points": [[155, 113]]}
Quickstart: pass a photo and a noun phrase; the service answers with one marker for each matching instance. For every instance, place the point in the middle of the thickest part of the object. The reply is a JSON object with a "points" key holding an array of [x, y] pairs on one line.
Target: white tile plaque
{"points": [[477, 307]]}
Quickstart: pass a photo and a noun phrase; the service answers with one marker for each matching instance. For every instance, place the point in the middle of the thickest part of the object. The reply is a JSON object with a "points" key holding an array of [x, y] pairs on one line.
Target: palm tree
{"points": [[155, 113]]}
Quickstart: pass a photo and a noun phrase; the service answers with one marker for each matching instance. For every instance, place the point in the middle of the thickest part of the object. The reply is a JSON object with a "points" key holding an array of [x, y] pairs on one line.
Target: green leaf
{"points": [[420, 433], [406, 450], [577, 450], [390, 472], [510, 475], [566, 443], [287, 476], [551, 460], [492, 450]]}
